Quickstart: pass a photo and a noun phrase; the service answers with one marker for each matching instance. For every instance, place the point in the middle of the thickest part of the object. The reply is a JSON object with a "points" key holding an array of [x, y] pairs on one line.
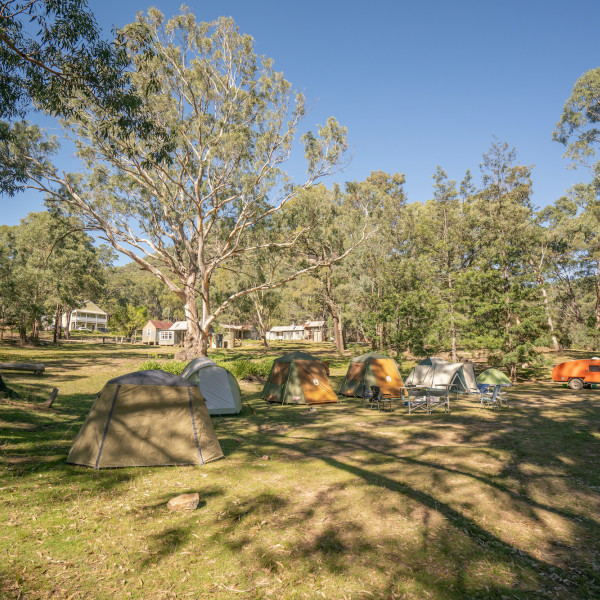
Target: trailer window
{"points": [[594, 368]]}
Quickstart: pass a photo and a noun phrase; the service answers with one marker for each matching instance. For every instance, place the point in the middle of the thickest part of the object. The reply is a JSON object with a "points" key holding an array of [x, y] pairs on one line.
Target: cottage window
{"points": [[166, 335], [148, 332]]}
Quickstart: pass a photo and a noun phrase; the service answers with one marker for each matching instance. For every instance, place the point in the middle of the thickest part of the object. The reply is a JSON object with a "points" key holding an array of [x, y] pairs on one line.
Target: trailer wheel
{"points": [[576, 383]]}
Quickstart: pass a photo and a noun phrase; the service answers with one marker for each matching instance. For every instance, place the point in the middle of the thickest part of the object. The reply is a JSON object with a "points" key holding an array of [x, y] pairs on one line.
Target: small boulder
{"points": [[184, 502], [266, 457]]}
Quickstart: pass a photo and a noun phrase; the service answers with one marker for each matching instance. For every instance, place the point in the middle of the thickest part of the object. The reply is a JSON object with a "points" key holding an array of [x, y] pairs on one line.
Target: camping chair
{"points": [[367, 395], [476, 393], [493, 399], [374, 398], [394, 395], [384, 399]]}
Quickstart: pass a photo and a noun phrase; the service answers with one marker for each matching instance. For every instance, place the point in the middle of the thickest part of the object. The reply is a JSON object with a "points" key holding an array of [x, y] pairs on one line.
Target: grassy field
{"points": [[352, 503]]}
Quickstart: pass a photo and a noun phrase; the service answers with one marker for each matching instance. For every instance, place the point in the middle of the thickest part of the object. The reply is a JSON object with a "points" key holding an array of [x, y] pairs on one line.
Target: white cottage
{"points": [[89, 316], [174, 336], [286, 332]]}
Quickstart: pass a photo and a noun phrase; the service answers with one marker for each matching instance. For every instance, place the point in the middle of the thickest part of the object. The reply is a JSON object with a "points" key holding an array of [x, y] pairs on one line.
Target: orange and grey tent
{"points": [[148, 418], [372, 369], [298, 378]]}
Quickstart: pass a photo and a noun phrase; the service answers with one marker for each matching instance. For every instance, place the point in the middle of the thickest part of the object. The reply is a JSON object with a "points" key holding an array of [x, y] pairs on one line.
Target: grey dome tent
{"points": [[147, 418], [437, 371], [219, 387]]}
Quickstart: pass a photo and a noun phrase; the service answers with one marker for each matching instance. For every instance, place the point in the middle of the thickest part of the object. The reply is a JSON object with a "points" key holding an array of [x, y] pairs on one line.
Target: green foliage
{"points": [[54, 59], [49, 265], [243, 368], [129, 319], [578, 128], [171, 366]]}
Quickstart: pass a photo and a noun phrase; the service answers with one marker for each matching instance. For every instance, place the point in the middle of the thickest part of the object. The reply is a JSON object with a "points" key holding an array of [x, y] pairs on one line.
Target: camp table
{"points": [[388, 398], [429, 399]]}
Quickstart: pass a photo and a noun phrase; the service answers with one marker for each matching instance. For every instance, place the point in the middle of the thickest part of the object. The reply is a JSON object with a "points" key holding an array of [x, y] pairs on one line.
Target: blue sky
{"points": [[417, 84]]}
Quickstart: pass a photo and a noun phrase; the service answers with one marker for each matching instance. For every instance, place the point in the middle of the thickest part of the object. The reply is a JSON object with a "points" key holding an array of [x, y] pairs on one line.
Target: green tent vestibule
{"points": [[147, 418], [298, 378]]}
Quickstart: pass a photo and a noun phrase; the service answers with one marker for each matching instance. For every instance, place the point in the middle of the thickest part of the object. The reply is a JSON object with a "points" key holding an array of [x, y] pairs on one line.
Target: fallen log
{"points": [[36, 368]]}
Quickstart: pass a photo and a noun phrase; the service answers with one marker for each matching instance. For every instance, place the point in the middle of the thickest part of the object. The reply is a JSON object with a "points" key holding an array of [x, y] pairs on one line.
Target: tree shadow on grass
{"points": [[517, 441]]}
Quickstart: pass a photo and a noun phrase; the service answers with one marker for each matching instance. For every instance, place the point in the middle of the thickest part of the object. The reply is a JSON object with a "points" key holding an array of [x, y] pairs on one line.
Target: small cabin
{"points": [[286, 332], [315, 331], [151, 331], [174, 336], [578, 374]]}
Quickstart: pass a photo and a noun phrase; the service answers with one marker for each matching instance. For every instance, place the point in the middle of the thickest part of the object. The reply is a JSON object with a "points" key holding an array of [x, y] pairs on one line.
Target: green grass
{"points": [[351, 503]]}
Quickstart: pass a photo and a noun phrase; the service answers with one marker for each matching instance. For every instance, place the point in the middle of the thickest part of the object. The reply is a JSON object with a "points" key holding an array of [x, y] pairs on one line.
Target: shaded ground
{"points": [[351, 504]]}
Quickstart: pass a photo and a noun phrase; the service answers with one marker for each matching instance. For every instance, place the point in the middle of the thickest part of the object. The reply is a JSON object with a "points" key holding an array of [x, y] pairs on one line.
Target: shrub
{"points": [[170, 366], [247, 369]]}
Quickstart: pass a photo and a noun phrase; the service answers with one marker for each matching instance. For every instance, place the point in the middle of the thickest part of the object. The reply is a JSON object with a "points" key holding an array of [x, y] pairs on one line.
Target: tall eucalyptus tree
{"points": [[232, 120]]}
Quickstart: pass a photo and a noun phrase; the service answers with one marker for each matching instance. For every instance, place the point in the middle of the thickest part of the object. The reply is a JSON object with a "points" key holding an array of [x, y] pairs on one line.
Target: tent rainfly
{"points": [[372, 369], [493, 377], [218, 386], [298, 378], [148, 418], [437, 371]]}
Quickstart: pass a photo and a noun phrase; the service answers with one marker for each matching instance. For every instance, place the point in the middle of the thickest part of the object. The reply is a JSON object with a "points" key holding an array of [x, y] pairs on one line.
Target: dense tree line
{"points": [[187, 180], [48, 267]]}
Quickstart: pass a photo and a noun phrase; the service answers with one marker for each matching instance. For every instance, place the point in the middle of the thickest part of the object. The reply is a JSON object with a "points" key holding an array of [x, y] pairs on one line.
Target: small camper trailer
{"points": [[578, 374]]}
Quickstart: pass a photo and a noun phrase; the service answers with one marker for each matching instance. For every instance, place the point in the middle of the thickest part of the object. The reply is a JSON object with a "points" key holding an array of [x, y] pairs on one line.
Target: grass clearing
{"points": [[351, 503]]}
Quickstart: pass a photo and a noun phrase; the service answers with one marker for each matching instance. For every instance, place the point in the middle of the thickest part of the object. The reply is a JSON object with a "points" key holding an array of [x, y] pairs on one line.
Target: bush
{"points": [[246, 369], [170, 366]]}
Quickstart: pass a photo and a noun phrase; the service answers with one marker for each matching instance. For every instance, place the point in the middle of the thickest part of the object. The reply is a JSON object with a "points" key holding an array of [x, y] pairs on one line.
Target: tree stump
{"points": [[51, 398]]}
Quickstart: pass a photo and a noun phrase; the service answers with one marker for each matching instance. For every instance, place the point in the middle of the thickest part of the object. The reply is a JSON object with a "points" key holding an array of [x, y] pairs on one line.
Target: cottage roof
{"points": [[179, 326], [90, 307], [314, 324], [237, 327], [161, 324]]}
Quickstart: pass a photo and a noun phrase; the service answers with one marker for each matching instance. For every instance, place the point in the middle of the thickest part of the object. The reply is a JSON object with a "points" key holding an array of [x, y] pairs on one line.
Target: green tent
{"points": [[493, 377], [372, 369], [298, 378], [147, 418]]}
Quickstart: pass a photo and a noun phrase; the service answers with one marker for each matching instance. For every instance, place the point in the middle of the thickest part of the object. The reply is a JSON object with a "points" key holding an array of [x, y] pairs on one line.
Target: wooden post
{"points": [[51, 398]]}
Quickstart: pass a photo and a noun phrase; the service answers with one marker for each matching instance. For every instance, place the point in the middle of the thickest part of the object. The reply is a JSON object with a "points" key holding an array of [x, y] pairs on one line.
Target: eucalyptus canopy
{"points": [[53, 58]]}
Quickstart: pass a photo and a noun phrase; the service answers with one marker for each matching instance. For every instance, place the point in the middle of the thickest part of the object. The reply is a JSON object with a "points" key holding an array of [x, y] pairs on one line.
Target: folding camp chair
{"points": [[375, 399], [475, 393], [367, 395], [384, 399], [493, 398]]}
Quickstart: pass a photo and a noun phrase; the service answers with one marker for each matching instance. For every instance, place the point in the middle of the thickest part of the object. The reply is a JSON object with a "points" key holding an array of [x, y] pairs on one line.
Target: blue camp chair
{"points": [[493, 398]]}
